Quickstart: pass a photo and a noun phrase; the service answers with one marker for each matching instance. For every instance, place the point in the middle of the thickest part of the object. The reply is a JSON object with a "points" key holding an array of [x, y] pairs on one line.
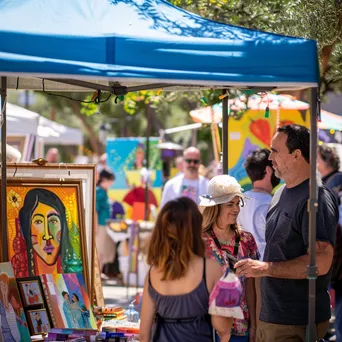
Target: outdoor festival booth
{"points": [[114, 47]]}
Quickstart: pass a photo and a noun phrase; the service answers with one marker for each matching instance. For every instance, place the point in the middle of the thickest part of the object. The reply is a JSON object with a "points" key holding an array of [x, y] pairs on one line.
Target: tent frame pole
{"points": [[147, 160], [312, 209], [225, 133], [115, 89], [4, 244]]}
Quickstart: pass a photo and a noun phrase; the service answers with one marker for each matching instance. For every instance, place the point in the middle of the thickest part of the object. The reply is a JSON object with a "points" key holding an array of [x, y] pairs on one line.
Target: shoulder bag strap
{"points": [[237, 245], [219, 247]]}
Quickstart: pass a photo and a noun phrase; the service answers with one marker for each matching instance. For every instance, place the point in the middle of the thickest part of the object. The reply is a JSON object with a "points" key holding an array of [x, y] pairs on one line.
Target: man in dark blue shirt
{"points": [[284, 287]]}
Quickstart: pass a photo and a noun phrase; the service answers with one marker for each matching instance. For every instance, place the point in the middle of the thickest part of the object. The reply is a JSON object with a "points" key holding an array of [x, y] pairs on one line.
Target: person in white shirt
{"points": [[252, 217], [179, 162], [189, 183]]}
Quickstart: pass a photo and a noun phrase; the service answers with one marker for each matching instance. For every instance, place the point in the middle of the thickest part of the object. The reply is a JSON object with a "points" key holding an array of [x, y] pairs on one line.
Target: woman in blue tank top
{"points": [[176, 292]]}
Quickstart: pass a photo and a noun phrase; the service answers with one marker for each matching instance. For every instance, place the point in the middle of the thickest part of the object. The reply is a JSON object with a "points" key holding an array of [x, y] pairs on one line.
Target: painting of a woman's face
{"points": [[46, 232]]}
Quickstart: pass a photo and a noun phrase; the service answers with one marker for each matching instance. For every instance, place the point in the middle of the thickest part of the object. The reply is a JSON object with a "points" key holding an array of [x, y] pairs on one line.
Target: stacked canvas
{"points": [[13, 326]]}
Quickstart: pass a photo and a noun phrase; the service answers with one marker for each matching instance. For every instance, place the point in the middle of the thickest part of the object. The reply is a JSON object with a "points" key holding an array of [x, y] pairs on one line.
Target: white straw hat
{"points": [[221, 189]]}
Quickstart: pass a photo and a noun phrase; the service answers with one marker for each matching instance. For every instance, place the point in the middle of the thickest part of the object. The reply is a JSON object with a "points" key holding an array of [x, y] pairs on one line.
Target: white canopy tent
{"points": [[24, 122], [54, 133], [21, 120]]}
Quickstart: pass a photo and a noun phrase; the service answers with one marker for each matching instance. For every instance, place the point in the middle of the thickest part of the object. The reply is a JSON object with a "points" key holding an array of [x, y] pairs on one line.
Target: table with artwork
{"points": [[50, 281]]}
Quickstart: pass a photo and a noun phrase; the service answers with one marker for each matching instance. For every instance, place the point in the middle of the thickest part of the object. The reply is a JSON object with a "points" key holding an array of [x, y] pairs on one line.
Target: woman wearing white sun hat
{"points": [[226, 243]]}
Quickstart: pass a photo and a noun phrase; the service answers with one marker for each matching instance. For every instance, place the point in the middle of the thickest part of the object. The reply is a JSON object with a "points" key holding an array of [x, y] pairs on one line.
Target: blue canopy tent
{"points": [[118, 46]]}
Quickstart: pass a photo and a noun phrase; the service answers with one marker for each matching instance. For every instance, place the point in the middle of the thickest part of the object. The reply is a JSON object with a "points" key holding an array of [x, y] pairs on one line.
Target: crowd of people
{"points": [[207, 224], [263, 239]]}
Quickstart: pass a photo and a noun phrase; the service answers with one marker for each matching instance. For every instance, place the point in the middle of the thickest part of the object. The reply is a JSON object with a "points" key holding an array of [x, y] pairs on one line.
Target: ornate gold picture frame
{"points": [[84, 173], [45, 227]]}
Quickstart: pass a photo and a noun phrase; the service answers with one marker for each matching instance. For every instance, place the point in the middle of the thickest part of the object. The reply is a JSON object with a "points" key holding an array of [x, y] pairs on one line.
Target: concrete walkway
{"points": [[119, 295]]}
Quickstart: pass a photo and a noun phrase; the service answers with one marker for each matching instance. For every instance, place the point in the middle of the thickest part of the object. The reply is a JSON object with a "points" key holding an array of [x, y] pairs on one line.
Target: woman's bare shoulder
{"points": [[213, 267]]}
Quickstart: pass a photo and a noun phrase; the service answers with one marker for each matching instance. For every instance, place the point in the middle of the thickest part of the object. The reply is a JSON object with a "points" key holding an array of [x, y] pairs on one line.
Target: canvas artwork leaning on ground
{"points": [[13, 326], [45, 227]]}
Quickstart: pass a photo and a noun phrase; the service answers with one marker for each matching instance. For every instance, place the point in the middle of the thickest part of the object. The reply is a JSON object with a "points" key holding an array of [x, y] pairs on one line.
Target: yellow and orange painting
{"points": [[44, 228]]}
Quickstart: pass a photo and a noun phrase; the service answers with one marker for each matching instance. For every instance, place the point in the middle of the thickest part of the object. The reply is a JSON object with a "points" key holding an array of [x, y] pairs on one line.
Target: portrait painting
{"points": [[68, 301], [38, 321], [13, 324], [31, 292], [85, 174], [45, 228]]}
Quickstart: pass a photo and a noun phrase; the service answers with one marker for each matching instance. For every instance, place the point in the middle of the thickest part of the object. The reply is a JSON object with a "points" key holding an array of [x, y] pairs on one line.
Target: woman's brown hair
{"points": [[210, 216], [176, 238]]}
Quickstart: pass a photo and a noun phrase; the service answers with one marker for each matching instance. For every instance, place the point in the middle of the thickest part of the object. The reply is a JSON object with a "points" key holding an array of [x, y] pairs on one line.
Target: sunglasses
{"points": [[195, 161]]}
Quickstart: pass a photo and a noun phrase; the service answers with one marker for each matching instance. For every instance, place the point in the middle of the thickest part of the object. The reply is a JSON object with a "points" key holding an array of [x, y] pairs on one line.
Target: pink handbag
{"points": [[225, 298]]}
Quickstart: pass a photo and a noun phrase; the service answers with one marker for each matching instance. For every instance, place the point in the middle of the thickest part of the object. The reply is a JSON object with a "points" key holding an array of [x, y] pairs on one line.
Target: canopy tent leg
{"points": [[147, 165], [312, 208], [225, 134], [4, 245]]}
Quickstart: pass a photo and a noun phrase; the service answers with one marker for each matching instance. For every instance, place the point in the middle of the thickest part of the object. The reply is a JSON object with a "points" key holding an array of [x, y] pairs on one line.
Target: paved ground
{"points": [[120, 295]]}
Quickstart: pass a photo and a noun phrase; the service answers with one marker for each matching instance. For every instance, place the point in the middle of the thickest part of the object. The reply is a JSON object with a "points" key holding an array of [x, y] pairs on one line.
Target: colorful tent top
{"points": [[259, 103], [255, 102], [272, 101], [330, 121], [143, 42]]}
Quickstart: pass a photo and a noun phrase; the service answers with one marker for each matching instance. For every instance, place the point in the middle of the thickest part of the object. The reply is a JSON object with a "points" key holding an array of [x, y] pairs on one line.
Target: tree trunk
{"points": [[156, 124], [95, 144], [326, 53]]}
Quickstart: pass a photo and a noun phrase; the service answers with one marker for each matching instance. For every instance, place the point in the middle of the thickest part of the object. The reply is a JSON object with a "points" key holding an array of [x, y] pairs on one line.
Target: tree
{"points": [[316, 19]]}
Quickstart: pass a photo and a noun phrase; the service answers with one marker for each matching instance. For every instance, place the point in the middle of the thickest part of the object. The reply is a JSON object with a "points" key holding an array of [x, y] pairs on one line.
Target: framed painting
{"points": [[38, 321], [31, 291], [13, 325], [84, 173], [68, 301], [45, 229]]}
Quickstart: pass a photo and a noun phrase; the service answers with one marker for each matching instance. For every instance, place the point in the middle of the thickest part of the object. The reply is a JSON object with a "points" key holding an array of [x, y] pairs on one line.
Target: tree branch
{"points": [[94, 142]]}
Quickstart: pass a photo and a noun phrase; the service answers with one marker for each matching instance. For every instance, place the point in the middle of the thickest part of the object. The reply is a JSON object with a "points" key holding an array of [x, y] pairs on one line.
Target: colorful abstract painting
{"points": [[68, 301], [126, 158], [254, 131], [45, 227], [250, 127], [13, 325]]}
